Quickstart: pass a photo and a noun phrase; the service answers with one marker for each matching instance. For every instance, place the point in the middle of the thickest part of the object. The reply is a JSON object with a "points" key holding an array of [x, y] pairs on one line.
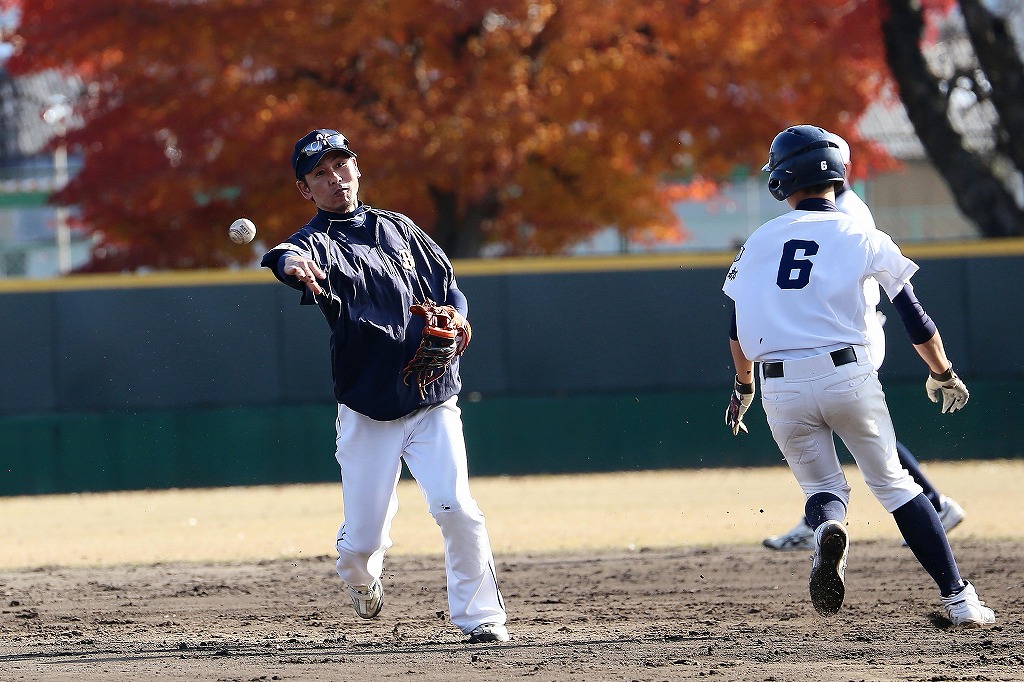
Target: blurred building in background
{"points": [[36, 239]]}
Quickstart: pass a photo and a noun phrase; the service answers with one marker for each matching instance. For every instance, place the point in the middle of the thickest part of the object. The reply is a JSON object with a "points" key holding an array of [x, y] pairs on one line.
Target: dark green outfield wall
{"points": [[197, 380], [505, 435]]}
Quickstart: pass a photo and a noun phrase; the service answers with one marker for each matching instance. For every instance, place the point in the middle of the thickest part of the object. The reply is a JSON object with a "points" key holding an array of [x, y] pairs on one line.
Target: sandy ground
{"points": [[641, 576]]}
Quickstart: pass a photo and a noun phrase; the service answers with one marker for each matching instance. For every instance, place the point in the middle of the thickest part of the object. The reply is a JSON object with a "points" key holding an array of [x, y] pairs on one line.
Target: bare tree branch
{"points": [[976, 187], [1000, 60]]}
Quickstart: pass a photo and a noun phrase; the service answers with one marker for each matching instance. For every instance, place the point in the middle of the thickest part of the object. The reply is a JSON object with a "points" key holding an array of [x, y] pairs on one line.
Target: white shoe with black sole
{"points": [[828, 572], [801, 536]]}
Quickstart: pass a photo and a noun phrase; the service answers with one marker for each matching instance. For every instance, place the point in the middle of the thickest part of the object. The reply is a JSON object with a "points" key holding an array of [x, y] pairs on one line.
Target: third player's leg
{"points": [[913, 467]]}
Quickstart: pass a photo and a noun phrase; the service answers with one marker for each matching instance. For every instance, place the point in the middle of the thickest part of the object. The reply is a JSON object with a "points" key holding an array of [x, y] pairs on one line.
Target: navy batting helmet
{"points": [[803, 156]]}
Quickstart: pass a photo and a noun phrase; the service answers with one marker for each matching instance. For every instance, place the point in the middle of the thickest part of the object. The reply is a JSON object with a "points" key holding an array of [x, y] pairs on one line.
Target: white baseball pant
{"points": [[813, 400], [431, 441]]}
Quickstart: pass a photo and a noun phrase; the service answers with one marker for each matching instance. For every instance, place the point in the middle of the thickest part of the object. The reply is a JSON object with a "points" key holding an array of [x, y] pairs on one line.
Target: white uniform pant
{"points": [[431, 441], [814, 400]]}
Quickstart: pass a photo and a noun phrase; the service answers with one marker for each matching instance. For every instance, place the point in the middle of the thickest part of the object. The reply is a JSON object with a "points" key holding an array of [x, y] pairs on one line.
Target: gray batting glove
{"points": [[950, 387], [739, 402]]}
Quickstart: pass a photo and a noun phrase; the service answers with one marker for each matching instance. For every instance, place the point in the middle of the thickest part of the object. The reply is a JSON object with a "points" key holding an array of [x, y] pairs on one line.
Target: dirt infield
{"points": [[714, 605]]}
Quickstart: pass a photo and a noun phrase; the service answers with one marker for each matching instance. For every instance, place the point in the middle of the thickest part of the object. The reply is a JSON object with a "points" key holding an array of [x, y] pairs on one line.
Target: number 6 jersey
{"points": [[798, 281]]}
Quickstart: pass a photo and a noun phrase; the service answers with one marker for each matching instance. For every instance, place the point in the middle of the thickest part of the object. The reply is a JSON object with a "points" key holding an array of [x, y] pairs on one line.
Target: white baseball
{"points": [[242, 231]]}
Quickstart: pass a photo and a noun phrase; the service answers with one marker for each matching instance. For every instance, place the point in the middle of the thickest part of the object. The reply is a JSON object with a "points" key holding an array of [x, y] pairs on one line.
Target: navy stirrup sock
{"points": [[924, 535]]}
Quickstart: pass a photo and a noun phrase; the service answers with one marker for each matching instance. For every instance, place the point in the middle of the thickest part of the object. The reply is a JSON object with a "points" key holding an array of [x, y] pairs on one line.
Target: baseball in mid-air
{"points": [[242, 231]]}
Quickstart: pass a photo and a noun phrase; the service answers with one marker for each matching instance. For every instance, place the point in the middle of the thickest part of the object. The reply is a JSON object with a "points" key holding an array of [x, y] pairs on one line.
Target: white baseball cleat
{"points": [[367, 600], [488, 632], [800, 537], [950, 513], [964, 608], [827, 584]]}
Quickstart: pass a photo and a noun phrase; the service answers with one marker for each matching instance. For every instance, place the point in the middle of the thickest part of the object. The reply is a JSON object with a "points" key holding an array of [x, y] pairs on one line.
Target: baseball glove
{"points": [[446, 335]]}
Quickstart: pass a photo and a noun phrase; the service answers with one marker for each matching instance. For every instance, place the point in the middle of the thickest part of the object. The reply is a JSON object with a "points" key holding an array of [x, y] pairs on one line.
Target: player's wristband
{"points": [[945, 376], [742, 388]]}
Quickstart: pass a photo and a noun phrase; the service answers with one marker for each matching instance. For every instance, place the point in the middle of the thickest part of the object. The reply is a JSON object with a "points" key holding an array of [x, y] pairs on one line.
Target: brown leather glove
{"points": [[446, 335]]}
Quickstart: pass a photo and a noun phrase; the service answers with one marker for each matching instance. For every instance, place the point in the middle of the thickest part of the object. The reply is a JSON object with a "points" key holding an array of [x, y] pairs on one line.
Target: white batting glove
{"points": [[739, 402], [950, 387]]}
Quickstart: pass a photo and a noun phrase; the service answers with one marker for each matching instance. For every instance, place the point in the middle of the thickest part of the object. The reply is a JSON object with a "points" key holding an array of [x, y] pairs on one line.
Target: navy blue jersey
{"points": [[378, 263]]}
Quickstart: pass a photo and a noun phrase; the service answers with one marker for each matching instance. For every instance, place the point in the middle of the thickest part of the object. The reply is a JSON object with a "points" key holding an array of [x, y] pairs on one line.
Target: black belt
{"points": [[843, 356]]}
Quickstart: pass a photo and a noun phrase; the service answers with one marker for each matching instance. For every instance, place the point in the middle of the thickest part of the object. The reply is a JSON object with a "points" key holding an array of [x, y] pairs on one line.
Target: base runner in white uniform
{"points": [[364, 268], [951, 514], [797, 286]]}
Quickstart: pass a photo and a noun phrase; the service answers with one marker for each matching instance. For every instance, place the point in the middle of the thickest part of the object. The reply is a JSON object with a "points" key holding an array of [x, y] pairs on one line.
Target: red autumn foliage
{"points": [[529, 124]]}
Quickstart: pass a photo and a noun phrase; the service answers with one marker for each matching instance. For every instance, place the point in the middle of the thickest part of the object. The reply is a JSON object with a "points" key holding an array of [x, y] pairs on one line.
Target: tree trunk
{"points": [[978, 192], [461, 233]]}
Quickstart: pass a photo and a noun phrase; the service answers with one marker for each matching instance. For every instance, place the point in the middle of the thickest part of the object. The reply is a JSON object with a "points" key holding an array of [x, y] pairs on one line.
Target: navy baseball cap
{"points": [[312, 147]]}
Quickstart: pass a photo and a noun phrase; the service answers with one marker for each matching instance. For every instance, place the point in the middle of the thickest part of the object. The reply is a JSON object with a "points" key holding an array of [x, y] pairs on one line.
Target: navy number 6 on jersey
{"points": [[795, 273]]}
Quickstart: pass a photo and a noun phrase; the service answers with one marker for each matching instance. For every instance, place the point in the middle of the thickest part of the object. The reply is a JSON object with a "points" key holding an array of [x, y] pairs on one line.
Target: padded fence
{"points": [[195, 380]]}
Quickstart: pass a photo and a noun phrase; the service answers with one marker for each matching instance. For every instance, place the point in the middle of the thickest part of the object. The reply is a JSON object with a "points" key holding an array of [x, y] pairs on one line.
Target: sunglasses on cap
{"points": [[335, 141]]}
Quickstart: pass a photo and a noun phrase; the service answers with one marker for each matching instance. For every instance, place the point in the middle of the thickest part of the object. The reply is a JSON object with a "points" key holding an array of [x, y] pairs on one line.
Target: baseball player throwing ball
{"points": [[398, 326], [797, 285], [951, 514]]}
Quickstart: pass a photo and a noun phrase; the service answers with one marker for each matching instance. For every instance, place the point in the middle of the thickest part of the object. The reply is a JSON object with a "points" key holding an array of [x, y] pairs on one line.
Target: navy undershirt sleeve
{"points": [[919, 326], [733, 332], [458, 300]]}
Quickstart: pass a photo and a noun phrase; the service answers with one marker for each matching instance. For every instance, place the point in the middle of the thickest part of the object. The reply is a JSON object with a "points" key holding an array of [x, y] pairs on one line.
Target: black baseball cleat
{"points": [[827, 584]]}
